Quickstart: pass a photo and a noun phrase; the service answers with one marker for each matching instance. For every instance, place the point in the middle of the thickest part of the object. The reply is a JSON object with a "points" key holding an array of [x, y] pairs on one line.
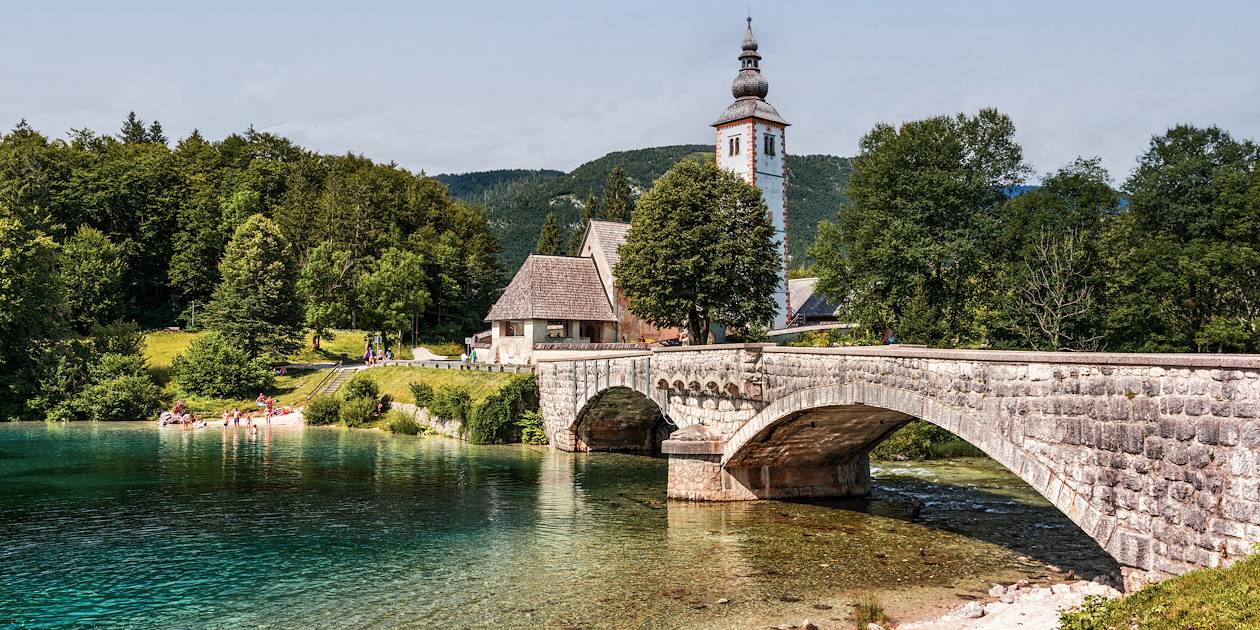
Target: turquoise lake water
{"points": [[126, 525]]}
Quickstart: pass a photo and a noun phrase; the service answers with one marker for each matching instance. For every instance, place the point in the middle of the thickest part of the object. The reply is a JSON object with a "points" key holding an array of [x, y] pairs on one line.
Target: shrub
{"points": [[452, 402], [211, 366], [531, 427], [867, 610], [422, 393], [357, 412], [494, 420], [322, 410], [923, 440], [127, 397], [399, 422], [362, 386]]}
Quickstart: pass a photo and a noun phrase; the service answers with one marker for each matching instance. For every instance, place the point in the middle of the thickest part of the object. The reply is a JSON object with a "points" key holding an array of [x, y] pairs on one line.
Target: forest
{"points": [[105, 234], [942, 242]]}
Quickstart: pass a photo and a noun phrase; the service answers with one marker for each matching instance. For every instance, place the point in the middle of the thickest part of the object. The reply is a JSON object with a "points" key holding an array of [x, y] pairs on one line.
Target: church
{"points": [[562, 304]]}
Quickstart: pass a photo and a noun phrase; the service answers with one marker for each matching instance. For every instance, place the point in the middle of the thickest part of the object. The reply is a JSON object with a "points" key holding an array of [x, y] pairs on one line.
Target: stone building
{"points": [[601, 242], [551, 300]]}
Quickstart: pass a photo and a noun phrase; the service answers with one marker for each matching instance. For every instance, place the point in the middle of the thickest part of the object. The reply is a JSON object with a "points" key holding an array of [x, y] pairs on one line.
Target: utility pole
{"points": [[193, 323]]}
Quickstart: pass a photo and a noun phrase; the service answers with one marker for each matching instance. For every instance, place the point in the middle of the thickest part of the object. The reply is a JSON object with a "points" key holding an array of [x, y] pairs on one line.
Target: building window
{"points": [[769, 144], [513, 329], [555, 330], [733, 145]]}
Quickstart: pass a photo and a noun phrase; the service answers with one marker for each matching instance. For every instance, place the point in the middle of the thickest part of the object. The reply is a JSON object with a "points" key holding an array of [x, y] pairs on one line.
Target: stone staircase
{"points": [[331, 385]]}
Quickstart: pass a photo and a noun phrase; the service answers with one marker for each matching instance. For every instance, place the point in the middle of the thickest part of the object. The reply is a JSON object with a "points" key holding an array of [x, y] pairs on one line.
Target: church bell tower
{"points": [[750, 143]]}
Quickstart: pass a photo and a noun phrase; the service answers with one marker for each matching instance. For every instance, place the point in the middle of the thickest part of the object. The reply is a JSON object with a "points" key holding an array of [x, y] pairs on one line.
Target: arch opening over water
{"points": [[623, 420]]}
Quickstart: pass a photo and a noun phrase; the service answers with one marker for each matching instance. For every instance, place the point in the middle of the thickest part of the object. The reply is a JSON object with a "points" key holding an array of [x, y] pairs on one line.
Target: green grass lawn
{"points": [[1207, 599], [394, 380], [345, 345]]}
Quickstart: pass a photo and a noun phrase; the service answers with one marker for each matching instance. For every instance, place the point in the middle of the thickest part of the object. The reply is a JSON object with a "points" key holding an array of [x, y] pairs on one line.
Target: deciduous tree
{"points": [[700, 250]]}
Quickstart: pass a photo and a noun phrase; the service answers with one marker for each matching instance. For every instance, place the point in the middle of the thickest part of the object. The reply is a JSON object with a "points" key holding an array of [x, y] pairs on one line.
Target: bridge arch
{"points": [[620, 418], [833, 427]]}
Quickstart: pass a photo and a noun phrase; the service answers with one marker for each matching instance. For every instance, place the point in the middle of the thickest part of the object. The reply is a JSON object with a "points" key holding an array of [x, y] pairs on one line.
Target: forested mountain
{"points": [[518, 201]]}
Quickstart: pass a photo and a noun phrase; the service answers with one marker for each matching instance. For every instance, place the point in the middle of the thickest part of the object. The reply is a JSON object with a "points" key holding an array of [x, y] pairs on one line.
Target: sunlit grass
{"points": [[1204, 599], [394, 380]]}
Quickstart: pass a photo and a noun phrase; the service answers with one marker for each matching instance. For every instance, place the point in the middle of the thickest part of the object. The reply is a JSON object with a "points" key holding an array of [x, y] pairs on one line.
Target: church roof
{"points": [[750, 87], [554, 287], [612, 235], [750, 107], [806, 301]]}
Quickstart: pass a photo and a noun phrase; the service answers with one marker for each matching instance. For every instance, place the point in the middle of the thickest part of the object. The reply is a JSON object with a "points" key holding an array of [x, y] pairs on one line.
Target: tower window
{"points": [[769, 150], [733, 145]]}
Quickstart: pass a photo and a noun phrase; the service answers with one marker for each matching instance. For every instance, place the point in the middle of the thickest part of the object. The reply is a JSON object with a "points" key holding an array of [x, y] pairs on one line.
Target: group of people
{"points": [[179, 415], [468, 357], [376, 356]]}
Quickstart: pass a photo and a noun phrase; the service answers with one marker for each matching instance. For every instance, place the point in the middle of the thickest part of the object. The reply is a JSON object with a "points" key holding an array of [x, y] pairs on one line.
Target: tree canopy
{"points": [[700, 250]]}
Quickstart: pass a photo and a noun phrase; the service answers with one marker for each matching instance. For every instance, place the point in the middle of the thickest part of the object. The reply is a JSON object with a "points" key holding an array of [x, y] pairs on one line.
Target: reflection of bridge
{"points": [[1155, 456]]}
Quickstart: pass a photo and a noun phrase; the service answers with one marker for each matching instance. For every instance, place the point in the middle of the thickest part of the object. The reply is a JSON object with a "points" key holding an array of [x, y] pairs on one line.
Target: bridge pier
{"points": [[696, 473]]}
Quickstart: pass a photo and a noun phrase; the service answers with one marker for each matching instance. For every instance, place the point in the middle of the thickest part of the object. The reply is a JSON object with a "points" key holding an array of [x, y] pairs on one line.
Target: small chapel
{"points": [[558, 304]]}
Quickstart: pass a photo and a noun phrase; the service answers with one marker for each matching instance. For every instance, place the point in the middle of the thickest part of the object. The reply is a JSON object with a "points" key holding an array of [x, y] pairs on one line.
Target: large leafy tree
{"points": [[395, 291], [324, 281], [1187, 271], [91, 270], [700, 250], [906, 251], [1045, 260], [618, 203], [255, 306], [29, 296]]}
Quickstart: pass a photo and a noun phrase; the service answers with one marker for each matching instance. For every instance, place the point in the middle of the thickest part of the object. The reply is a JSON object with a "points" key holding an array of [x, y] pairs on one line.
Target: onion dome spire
{"points": [[750, 83]]}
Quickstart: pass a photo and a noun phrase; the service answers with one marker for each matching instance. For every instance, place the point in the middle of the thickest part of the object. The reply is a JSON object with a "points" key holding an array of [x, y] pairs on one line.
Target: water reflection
{"points": [[128, 525]]}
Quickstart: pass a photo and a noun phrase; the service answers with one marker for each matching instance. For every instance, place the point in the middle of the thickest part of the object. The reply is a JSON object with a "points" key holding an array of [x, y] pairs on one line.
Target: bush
{"points": [[357, 412], [531, 427], [399, 422], [211, 366], [923, 440], [362, 386], [867, 610], [322, 410], [127, 397], [494, 420], [422, 393], [452, 402]]}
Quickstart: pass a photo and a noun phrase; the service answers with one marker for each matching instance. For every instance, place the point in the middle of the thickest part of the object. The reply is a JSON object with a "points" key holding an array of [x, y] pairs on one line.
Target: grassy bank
{"points": [[1207, 599], [395, 380], [290, 389], [161, 347]]}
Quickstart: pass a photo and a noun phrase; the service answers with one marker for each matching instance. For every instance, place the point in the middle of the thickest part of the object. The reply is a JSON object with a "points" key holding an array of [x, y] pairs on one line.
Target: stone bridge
{"points": [[1155, 456]]}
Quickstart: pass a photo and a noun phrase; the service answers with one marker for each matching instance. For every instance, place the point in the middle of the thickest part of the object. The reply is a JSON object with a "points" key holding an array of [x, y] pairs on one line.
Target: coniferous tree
{"points": [[618, 205], [133, 131], [255, 306], [549, 239], [154, 135]]}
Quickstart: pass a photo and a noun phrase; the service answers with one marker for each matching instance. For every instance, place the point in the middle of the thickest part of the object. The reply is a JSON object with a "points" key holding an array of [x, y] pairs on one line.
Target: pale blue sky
{"points": [[474, 85]]}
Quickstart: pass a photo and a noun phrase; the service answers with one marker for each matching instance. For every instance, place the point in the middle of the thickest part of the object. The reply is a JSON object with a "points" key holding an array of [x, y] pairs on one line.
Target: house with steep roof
{"points": [[569, 303], [552, 299]]}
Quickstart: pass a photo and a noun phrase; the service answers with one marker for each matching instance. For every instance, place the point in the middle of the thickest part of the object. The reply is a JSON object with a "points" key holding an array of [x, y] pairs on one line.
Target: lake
{"points": [[129, 525]]}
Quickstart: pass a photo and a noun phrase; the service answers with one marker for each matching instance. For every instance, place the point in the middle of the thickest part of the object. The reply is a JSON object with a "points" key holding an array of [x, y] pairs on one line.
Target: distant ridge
{"points": [[517, 200]]}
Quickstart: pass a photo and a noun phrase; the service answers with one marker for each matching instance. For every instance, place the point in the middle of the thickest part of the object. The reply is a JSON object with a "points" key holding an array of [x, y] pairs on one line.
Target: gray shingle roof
{"points": [[612, 235], [554, 287], [750, 106]]}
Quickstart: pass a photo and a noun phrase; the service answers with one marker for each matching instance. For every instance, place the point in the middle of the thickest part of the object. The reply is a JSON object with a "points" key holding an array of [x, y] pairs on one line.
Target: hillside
{"points": [[517, 201]]}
